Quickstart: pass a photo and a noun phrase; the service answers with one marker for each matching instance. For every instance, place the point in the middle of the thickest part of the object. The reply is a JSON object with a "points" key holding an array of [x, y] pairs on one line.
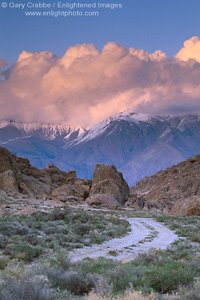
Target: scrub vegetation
{"points": [[35, 260], [26, 238]]}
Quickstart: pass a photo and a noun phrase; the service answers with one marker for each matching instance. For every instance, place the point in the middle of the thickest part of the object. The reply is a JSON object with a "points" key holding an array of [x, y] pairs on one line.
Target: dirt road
{"points": [[145, 234]]}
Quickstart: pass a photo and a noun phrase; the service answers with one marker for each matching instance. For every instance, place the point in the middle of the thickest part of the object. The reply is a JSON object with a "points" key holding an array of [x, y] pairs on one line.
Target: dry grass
{"points": [[129, 295]]}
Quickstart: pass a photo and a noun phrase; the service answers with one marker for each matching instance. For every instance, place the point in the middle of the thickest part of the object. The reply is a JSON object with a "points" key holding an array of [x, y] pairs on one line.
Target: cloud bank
{"points": [[85, 86]]}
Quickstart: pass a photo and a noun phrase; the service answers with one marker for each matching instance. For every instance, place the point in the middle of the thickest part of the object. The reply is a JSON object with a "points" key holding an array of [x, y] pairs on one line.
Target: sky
{"points": [[142, 55]]}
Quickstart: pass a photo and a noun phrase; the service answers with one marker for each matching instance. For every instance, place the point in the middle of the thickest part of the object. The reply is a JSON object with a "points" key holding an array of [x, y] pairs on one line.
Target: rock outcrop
{"points": [[20, 181], [107, 180], [187, 207], [10, 173], [174, 189]]}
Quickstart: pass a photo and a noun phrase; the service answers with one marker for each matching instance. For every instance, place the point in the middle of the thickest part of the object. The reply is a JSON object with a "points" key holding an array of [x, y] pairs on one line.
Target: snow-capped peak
{"points": [[101, 127], [129, 115]]}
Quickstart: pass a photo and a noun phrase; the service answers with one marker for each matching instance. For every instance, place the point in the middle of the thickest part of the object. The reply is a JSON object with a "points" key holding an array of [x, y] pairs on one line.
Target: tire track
{"points": [[145, 234]]}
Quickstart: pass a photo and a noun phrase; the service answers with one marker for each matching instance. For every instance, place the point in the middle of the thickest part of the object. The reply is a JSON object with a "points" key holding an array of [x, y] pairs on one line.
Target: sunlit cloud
{"points": [[191, 49], [85, 86]]}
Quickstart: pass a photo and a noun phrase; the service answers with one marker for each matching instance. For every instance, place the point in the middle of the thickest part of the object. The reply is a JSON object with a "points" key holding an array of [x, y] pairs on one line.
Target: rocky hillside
{"points": [[175, 190], [24, 185]]}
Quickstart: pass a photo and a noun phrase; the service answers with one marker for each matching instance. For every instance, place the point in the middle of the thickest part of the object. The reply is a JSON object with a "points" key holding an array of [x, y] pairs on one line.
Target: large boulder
{"points": [[103, 200], [71, 192], [107, 180], [187, 207], [8, 180]]}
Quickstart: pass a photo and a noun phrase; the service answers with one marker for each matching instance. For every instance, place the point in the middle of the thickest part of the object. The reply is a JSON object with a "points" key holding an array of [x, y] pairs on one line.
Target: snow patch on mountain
{"points": [[48, 131], [11, 140]]}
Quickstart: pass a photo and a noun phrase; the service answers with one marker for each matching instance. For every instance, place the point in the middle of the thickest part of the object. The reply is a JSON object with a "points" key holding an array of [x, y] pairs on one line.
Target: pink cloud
{"points": [[85, 86]]}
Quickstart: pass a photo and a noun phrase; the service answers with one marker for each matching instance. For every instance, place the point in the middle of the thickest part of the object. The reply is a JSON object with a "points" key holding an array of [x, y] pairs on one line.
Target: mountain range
{"points": [[138, 145]]}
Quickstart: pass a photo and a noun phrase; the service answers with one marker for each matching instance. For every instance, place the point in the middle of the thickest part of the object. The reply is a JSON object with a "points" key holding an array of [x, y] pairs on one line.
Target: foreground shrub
{"points": [[77, 283], [25, 290], [73, 281], [166, 279], [191, 292]]}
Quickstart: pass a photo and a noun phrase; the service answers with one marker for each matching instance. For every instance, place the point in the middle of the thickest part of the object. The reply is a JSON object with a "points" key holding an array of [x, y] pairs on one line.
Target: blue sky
{"points": [[144, 24]]}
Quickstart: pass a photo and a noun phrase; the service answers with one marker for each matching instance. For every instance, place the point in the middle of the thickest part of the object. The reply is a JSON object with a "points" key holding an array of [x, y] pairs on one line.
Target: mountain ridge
{"points": [[138, 144]]}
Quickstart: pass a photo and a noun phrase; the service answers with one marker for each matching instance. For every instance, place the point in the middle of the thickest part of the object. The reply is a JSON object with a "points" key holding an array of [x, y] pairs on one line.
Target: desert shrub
{"points": [[60, 237], [87, 242], [96, 238], [63, 260], [3, 241], [73, 238], [101, 265], [77, 283], [82, 229], [49, 227], [113, 252], [78, 245], [16, 239], [62, 229], [52, 245], [190, 292], [33, 239], [117, 275], [100, 225], [167, 278], [7, 229], [3, 262], [14, 289], [73, 281], [111, 233], [21, 231], [102, 288], [195, 238], [58, 214], [123, 275], [23, 251]]}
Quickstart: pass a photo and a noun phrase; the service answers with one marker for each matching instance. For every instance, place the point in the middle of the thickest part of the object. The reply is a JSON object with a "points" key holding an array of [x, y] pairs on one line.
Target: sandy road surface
{"points": [[145, 233]]}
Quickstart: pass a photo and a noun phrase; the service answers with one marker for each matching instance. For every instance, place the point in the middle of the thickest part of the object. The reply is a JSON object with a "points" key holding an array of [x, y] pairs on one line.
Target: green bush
{"points": [[23, 251], [58, 214], [33, 239], [82, 229], [167, 278], [3, 241], [63, 260], [3, 262]]}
